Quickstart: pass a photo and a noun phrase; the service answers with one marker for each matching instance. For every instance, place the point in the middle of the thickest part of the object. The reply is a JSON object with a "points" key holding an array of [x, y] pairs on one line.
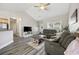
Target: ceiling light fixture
{"points": [[43, 6]]}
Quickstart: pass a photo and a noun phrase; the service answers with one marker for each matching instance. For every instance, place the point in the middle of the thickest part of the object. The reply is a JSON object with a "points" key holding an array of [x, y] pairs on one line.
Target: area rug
{"points": [[20, 49], [32, 44]]}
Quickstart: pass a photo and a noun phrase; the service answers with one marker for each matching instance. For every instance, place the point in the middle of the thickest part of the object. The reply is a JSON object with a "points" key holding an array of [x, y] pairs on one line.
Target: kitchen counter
{"points": [[5, 30], [6, 38]]}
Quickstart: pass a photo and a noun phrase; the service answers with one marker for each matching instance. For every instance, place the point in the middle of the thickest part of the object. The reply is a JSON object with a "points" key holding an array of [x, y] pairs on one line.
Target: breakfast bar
{"points": [[6, 38]]}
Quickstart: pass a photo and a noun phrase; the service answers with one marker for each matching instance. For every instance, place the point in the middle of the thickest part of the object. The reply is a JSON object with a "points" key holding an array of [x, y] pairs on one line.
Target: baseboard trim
{"points": [[6, 44]]}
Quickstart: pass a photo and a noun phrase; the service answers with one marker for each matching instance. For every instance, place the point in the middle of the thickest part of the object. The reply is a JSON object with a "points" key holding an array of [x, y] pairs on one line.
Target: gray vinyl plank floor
{"points": [[18, 47]]}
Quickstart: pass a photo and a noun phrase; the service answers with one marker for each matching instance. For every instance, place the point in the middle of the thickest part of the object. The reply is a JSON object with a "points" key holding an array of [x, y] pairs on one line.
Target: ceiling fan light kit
{"points": [[43, 6]]}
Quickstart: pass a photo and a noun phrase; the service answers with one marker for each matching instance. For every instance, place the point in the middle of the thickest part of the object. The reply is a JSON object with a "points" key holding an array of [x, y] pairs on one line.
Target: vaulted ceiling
{"points": [[54, 9]]}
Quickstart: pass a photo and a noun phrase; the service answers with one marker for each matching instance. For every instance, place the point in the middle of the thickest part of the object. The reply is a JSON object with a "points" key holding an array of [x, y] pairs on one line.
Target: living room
{"points": [[30, 28]]}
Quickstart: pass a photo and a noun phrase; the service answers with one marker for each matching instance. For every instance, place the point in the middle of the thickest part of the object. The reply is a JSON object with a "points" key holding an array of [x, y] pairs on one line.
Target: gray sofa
{"points": [[49, 32], [58, 47]]}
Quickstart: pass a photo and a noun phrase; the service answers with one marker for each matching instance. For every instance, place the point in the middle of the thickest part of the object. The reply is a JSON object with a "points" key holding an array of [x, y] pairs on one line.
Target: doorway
{"points": [[13, 26]]}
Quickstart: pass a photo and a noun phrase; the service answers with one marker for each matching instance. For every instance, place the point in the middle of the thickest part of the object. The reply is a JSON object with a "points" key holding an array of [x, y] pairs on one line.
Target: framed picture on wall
{"points": [[74, 17]]}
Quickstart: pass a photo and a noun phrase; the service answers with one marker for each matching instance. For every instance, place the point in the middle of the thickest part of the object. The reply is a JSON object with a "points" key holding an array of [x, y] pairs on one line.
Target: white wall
{"points": [[27, 20], [62, 19], [23, 19], [73, 7]]}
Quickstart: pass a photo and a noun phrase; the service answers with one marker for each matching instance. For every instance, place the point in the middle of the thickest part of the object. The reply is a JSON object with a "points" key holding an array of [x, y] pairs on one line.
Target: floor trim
{"points": [[6, 44]]}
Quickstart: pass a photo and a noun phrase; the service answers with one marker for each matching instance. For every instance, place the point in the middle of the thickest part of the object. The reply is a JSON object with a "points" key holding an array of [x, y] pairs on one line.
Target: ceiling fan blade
{"points": [[47, 4], [43, 6], [36, 6]]}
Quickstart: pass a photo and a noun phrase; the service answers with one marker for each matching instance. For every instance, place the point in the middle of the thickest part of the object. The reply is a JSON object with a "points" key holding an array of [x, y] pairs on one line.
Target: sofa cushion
{"points": [[67, 40], [63, 35], [54, 48]]}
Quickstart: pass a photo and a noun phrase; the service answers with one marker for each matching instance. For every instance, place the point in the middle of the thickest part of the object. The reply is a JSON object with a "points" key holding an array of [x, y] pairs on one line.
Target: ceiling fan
{"points": [[43, 6]]}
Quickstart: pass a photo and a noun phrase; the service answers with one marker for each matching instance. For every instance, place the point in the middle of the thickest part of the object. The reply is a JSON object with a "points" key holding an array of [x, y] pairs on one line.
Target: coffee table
{"points": [[38, 38]]}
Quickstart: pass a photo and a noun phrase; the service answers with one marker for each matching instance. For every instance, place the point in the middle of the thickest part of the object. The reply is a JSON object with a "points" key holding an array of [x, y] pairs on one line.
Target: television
{"points": [[27, 29]]}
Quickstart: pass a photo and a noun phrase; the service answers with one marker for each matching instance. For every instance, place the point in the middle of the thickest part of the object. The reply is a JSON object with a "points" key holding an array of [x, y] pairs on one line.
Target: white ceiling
{"points": [[16, 7], [54, 9]]}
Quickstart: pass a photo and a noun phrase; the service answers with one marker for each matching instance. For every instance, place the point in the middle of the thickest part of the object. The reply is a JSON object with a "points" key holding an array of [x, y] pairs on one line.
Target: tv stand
{"points": [[27, 34]]}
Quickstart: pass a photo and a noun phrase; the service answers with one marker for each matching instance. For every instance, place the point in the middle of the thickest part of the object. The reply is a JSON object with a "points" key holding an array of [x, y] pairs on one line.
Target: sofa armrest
{"points": [[54, 48], [52, 40]]}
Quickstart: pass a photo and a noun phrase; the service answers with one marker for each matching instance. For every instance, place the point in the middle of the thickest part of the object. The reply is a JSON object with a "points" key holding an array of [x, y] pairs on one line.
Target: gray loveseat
{"points": [[49, 32], [58, 47]]}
